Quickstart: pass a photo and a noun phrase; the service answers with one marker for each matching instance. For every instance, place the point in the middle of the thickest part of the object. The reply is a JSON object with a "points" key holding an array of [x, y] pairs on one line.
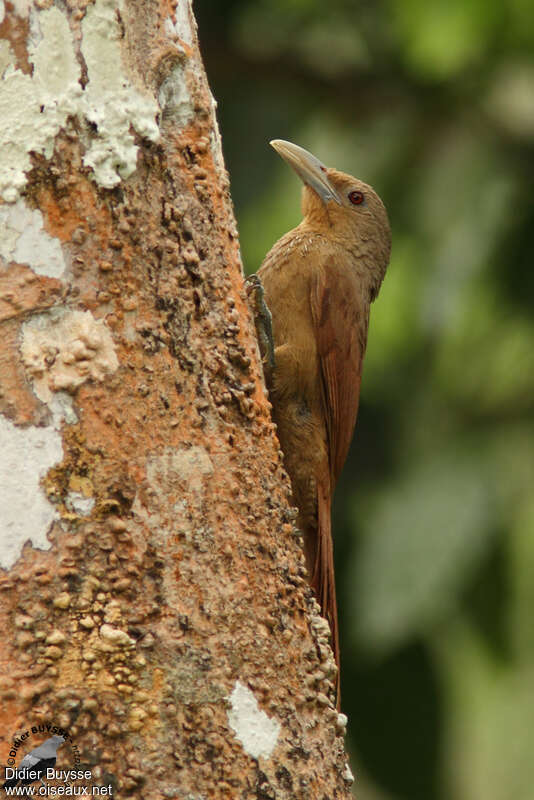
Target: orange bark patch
{"points": [[61, 220], [21, 290], [16, 29]]}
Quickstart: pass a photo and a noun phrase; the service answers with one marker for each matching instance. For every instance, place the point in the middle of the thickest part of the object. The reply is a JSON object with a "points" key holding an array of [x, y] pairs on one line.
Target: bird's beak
{"points": [[309, 169]]}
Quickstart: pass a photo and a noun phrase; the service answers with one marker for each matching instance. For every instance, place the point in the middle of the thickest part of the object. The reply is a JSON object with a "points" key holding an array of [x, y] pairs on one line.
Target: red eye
{"points": [[356, 198]]}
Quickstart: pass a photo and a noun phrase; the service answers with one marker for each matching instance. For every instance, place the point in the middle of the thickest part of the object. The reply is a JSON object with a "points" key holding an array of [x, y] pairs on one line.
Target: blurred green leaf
{"points": [[394, 325], [490, 718], [485, 362], [275, 213], [520, 568], [422, 539], [510, 99], [443, 37]]}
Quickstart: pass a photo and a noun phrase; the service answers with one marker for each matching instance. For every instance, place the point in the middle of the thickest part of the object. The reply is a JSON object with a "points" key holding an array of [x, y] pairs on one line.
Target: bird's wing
{"points": [[47, 749], [340, 322], [29, 760]]}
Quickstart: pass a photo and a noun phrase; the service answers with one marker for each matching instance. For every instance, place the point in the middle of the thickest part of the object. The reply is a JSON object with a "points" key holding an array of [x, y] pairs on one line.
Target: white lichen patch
{"points": [[174, 97], [79, 504], [34, 108], [190, 466], [116, 636], [26, 515], [257, 732], [21, 7], [24, 240], [347, 775], [215, 140], [111, 102], [181, 26], [62, 409], [7, 56], [62, 349]]}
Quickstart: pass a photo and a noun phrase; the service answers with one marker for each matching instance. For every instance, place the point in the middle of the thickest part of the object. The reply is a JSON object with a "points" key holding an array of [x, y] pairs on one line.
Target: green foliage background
{"points": [[432, 103]]}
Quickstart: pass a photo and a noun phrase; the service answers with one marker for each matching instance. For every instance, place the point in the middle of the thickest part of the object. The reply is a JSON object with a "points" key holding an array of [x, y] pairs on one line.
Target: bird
{"points": [[316, 286], [35, 763]]}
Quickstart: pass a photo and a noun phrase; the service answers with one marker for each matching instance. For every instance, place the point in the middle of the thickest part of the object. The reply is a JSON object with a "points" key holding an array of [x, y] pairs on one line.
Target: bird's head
{"points": [[343, 207]]}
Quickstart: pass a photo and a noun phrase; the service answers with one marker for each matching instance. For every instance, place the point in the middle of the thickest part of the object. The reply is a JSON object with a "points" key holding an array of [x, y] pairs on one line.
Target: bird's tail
{"points": [[323, 581]]}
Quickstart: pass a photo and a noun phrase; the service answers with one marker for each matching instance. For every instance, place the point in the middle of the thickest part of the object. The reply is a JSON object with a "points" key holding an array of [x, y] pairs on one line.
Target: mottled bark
{"points": [[154, 603]]}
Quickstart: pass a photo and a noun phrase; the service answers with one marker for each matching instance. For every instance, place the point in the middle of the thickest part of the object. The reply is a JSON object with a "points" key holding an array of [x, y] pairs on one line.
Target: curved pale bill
{"points": [[308, 168]]}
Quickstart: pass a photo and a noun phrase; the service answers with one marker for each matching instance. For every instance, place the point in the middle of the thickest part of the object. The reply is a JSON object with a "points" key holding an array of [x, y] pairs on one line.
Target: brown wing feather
{"points": [[340, 324]]}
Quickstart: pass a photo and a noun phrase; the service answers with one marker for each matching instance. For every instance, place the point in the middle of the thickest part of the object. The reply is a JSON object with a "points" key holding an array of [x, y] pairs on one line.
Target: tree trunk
{"points": [[154, 605]]}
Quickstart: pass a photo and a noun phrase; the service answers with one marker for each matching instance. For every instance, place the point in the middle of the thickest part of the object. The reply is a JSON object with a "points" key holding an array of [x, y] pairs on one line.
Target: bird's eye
{"points": [[356, 198]]}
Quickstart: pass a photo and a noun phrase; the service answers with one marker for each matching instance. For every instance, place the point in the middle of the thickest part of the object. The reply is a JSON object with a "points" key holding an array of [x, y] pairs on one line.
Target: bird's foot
{"points": [[263, 322]]}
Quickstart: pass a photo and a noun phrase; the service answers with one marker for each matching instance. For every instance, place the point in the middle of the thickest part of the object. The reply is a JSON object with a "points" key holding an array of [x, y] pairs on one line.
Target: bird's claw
{"points": [[263, 322]]}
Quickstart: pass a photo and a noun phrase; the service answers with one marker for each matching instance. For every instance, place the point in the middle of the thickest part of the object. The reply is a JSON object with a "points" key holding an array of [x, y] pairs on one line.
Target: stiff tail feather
{"points": [[323, 582]]}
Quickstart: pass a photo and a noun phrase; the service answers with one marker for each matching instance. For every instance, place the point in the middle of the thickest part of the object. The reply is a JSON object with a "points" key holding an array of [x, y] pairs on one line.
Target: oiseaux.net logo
{"points": [[36, 774]]}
